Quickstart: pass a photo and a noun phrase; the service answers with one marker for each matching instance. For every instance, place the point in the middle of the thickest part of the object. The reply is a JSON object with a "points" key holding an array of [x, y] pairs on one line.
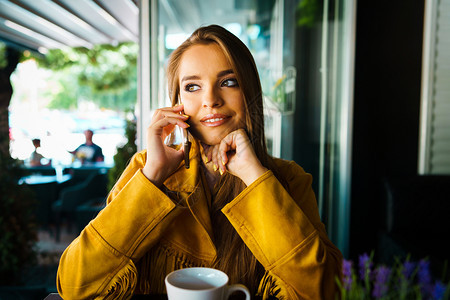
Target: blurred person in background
{"points": [[36, 158], [89, 152]]}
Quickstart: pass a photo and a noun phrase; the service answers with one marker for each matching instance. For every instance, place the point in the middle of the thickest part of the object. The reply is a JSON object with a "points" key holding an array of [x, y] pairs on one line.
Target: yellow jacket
{"points": [[143, 234]]}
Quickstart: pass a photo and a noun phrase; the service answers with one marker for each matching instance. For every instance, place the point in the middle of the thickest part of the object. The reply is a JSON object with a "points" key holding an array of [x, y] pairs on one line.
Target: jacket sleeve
{"points": [[100, 262], [283, 230]]}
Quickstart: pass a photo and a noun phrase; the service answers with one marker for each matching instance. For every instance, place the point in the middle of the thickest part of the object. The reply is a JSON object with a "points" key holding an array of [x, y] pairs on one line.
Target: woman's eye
{"points": [[231, 82], [191, 88]]}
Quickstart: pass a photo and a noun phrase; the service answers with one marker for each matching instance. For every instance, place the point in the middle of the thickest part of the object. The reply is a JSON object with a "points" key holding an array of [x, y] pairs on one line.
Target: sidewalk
{"points": [[49, 253]]}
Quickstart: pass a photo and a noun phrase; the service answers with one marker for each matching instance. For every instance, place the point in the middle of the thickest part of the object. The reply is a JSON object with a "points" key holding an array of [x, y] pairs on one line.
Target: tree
{"points": [[124, 154], [9, 58], [105, 75], [17, 222], [16, 202]]}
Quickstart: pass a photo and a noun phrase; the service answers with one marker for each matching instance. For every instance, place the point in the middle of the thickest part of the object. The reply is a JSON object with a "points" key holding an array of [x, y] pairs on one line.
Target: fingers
{"points": [[168, 116], [210, 157], [235, 150], [217, 165], [169, 112], [180, 121], [206, 153], [178, 108], [161, 159], [230, 154], [219, 155], [227, 144]]}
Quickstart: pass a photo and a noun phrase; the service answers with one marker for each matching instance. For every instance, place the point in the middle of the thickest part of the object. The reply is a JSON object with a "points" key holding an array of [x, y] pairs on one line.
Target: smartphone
{"points": [[180, 137], [186, 145]]}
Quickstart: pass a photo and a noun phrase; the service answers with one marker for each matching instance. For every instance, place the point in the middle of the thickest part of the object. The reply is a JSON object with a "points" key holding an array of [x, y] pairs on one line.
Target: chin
{"points": [[212, 142], [210, 139], [213, 136]]}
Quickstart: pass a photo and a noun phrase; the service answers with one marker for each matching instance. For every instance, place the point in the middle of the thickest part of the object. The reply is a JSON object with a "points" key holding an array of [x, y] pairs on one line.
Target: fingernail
{"points": [[223, 163], [186, 116], [215, 167], [206, 160], [221, 172]]}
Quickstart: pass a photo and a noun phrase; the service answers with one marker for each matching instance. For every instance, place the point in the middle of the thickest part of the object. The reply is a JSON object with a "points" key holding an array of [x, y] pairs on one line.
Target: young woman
{"points": [[236, 208]]}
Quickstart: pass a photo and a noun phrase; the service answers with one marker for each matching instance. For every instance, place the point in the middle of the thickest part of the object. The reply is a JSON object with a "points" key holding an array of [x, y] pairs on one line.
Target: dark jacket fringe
{"points": [[124, 284], [269, 288], [156, 264]]}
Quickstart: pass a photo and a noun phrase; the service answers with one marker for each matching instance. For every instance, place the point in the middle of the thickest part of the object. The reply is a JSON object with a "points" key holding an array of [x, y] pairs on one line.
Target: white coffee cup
{"points": [[201, 284]]}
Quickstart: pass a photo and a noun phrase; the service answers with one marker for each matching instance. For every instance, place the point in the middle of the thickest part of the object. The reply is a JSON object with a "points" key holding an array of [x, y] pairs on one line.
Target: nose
{"points": [[212, 98]]}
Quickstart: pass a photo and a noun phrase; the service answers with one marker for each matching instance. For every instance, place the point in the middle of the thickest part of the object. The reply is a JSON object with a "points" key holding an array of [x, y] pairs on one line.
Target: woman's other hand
{"points": [[235, 154], [163, 160]]}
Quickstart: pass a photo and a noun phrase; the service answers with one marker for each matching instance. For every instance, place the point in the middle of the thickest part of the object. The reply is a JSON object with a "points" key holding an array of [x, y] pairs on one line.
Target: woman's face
{"points": [[210, 93]]}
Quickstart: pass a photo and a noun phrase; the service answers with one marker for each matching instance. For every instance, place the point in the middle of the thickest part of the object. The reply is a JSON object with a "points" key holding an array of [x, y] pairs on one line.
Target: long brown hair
{"points": [[233, 256]]}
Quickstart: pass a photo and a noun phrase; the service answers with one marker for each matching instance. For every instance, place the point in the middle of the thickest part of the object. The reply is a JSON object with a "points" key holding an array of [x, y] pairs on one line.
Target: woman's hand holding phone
{"points": [[163, 160]]}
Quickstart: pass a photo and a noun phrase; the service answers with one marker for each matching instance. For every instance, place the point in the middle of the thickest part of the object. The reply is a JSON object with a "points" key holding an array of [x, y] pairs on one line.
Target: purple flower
{"points": [[438, 291], [424, 277], [406, 277], [408, 269], [347, 274], [380, 287], [365, 265]]}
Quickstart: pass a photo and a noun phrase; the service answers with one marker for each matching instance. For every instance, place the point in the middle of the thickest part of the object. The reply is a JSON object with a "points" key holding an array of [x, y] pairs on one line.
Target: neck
{"points": [[211, 176]]}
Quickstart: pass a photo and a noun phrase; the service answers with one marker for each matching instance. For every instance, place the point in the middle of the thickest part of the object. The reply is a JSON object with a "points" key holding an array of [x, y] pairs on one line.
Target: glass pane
{"points": [[322, 124], [307, 116]]}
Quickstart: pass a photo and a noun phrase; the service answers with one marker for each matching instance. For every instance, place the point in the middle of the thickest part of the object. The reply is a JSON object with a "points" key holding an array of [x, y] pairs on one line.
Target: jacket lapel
{"points": [[191, 182]]}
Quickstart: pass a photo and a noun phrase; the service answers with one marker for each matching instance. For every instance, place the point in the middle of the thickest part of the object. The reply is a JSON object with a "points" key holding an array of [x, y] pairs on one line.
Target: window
{"points": [[434, 145]]}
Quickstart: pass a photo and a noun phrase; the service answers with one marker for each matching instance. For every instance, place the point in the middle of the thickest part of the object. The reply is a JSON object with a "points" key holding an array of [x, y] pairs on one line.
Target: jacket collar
{"points": [[186, 180]]}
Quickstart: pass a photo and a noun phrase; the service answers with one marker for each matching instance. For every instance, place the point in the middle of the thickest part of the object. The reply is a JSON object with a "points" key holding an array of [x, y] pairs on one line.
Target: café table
{"points": [[45, 189], [36, 179], [56, 296], [80, 171], [99, 166]]}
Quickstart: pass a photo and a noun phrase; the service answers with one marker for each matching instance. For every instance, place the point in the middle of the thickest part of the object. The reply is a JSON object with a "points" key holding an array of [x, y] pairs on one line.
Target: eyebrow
{"points": [[190, 77], [195, 77], [225, 72]]}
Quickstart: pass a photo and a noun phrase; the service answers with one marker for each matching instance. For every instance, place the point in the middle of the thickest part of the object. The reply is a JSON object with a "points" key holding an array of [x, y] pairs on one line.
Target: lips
{"points": [[213, 120]]}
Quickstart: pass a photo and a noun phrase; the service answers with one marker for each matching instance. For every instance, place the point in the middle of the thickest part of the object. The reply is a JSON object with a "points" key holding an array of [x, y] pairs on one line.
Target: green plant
{"points": [[17, 225], [403, 281], [3, 61], [104, 74], [308, 13], [124, 153]]}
